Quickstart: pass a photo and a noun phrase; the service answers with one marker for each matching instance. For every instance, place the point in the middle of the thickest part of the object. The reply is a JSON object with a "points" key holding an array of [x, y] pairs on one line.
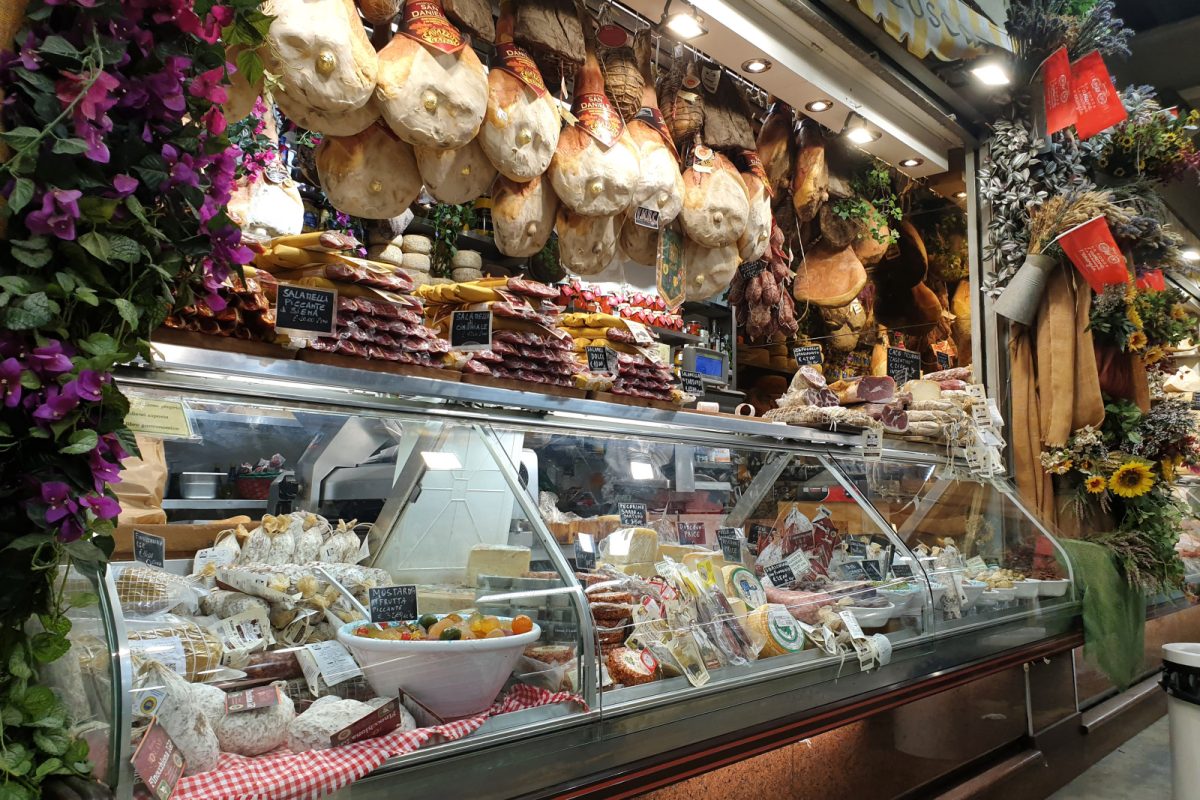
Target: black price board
{"points": [[691, 532], [903, 365], [731, 544], [691, 382], [902, 571], [300, 308], [780, 574], [856, 548], [585, 552], [752, 268], [632, 514], [470, 330], [808, 354], [853, 570], [760, 533], [393, 603], [149, 549], [872, 569], [601, 359], [943, 360]]}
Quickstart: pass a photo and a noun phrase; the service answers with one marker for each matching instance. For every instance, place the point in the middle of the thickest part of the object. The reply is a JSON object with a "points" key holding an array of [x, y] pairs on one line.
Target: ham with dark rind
{"points": [[892, 415]]}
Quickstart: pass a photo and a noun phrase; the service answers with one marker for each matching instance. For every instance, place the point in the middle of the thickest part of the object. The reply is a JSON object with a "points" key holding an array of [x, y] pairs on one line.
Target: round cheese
{"points": [[411, 243], [773, 623], [387, 253], [416, 261], [744, 585], [464, 274], [469, 259]]}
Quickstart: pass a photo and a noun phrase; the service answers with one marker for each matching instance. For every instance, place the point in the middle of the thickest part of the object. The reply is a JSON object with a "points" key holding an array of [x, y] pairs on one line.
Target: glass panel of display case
{"points": [[1188, 547], [710, 564], [985, 555]]}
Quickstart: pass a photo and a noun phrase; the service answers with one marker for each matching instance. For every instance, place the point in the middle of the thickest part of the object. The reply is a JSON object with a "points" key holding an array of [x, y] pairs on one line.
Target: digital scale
{"points": [[713, 365]]}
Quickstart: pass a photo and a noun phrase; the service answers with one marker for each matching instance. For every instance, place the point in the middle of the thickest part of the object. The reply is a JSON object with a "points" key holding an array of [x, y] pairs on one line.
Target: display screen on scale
{"points": [[713, 366]]}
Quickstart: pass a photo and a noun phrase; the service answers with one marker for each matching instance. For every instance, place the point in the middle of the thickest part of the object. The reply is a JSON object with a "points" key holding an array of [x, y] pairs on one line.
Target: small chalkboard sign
{"points": [[585, 552], [943, 359], [856, 547], [691, 382], [646, 217], [903, 365], [780, 574], [601, 359], [301, 308], [760, 533], [872, 569], [393, 603], [853, 570], [149, 549], [808, 354], [691, 532], [902, 570], [752, 268], [730, 540], [632, 514], [1196, 401], [470, 330]]}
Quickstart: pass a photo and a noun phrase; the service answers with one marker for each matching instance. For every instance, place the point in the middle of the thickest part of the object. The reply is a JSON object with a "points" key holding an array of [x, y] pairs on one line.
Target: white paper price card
{"points": [[333, 662], [800, 563], [852, 627], [217, 556], [872, 444], [980, 415], [956, 581], [976, 564], [976, 390]]}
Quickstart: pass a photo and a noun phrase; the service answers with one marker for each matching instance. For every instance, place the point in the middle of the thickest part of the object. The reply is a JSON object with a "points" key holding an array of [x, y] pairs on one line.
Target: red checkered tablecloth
{"points": [[284, 775]]}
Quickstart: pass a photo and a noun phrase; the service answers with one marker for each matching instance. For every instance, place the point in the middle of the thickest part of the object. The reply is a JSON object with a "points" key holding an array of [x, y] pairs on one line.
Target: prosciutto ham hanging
{"points": [[523, 215], [322, 55], [715, 203]]}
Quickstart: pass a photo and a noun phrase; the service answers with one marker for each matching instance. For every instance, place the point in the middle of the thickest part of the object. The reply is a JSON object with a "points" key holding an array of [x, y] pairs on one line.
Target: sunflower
{"points": [[1096, 484], [1153, 355], [1168, 469], [1132, 479], [1135, 317], [1179, 313], [1137, 340], [1062, 467]]}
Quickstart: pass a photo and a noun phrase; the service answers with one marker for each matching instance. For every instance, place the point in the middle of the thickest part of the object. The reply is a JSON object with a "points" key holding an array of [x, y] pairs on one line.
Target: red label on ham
{"points": [[425, 21], [513, 59], [654, 118], [598, 118]]}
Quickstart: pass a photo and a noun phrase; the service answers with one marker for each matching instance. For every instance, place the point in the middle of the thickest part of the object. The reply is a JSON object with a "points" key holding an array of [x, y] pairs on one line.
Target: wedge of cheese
{"points": [[692, 559], [643, 570], [744, 585], [508, 561], [632, 546], [676, 552]]}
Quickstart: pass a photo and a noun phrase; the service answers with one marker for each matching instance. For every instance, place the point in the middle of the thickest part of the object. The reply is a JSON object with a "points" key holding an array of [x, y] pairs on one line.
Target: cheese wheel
{"points": [[743, 584], [465, 274], [412, 243], [773, 623], [625, 666], [416, 261], [470, 259], [387, 253]]}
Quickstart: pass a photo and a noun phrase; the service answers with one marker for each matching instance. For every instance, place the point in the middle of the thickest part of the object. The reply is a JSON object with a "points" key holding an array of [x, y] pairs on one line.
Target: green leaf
{"points": [[97, 209], [38, 701], [34, 259], [30, 380], [53, 742], [37, 80], [29, 541], [83, 551], [250, 65], [70, 147], [34, 311], [16, 284], [11, 715], [47, 767], [21, 137], [66, 280], [58, 46], [17, 665], [81, 442], [99, 344], [82, 599], [22, 193], [125, 249], [128, 311], [97, 244], [87, 296], [49, 647], [35, 243]]}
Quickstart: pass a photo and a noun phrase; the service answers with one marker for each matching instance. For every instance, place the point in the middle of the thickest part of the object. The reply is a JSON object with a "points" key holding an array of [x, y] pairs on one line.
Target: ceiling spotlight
{"points": [[756, 65], [1191, 254], [684, 24], [991, 72], [858, 130], [912, 162], [960, 195], [818, 105]]}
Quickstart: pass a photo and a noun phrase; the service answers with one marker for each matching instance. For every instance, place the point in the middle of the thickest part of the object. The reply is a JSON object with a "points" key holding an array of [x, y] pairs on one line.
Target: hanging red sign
{"points": [[598, 117], [1056, 84], [425, 21], [1095, 254], [1097, 105], [1152, 280]]}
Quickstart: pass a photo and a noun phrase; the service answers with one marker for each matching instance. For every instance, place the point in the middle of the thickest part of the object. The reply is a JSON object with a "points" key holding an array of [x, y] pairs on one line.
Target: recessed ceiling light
{"points": [[1191, 254], [960, 195], [991, 73], [818, 105], [756, 65], [858, 130], [912, 162], [686, 24]]}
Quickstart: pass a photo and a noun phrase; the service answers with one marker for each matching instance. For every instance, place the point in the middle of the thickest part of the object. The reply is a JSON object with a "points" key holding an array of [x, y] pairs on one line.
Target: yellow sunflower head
{"points": [[1137, 340], [1096, 484], [1153, 355], [1062, 467], [1132, 479], [1178, 313], [1135, 317]]}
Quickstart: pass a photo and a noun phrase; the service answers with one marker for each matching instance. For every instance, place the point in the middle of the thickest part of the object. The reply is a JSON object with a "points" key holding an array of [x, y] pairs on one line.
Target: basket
{"points": [[254, 487]]}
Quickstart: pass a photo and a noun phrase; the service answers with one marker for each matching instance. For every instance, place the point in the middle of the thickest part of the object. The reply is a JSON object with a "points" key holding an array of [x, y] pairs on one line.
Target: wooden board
{"points": [[225, 344], [182, 540], [627, 400], [378, 365], [523, 386]]}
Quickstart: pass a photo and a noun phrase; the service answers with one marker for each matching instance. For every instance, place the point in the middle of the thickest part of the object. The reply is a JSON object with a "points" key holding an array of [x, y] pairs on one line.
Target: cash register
{"points": [[713, 365]]}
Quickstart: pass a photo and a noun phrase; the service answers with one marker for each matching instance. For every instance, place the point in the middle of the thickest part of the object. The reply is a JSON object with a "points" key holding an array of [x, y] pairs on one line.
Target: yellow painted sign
{"points": [[947, 28]]}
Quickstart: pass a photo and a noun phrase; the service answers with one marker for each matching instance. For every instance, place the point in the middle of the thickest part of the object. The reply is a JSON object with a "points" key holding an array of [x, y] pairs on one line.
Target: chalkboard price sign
{"points": [[601, 359], [691, 382], [470, 330], [149, 549], [902, 570], [632, 514], [731, 544], [872, 570], [300, 308], [760, 533], [691, 533], [807, 354], [752, 268], [646, 217], [856, 547], [903, 365], [393, 603], [943, 360], [585, 552], [853, 570], [780, 574]]}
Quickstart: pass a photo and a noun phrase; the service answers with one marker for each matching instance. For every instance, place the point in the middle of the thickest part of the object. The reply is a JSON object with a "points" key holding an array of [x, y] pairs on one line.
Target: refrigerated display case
{"points": [[484, 500]]}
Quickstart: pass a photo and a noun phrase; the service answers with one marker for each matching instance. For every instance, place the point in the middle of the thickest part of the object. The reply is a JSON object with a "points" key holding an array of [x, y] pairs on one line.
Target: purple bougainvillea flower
{"points": [[70, 530], [56, 216], [28, 54], [125, 185], [207, 85], [88, 386], [57, 405], [10, 382], [214, 121], [57, 497], [51, 359], [103, 506]]}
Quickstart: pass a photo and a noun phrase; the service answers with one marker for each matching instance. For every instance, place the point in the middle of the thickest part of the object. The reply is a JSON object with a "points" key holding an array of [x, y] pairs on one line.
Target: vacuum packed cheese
{"points": [[773, 622], [632, 546]]}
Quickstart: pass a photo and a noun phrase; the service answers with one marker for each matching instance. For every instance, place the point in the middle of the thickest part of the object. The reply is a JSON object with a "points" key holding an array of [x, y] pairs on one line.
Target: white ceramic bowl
{"points": [[994, 596], [1027, 589], [906, 601], [972, 589], [1056, 588], [453, 678], [873, 617]]}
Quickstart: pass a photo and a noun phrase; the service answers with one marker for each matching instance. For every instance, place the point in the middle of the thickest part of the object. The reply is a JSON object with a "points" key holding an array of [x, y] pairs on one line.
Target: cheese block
{"points": [[412, 243], [645, 569], [676, 552], [743, 584], [922, 391], [773, 622], [692, 559], [443, 599], [739, 607], [508, 561], [632, 546]]}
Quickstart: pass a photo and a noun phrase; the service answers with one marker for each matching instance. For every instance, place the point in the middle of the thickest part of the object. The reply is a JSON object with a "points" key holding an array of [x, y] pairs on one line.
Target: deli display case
{"points": [[557, 591]]}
